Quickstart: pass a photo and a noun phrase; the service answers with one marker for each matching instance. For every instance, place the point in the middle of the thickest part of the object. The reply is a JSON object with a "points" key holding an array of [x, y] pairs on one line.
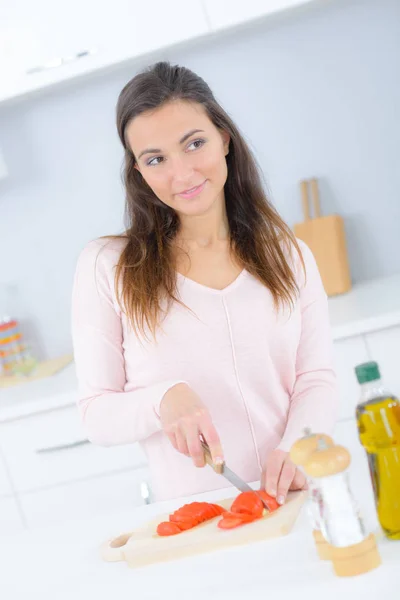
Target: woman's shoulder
{"points": [[301, 261], [101, 253]]}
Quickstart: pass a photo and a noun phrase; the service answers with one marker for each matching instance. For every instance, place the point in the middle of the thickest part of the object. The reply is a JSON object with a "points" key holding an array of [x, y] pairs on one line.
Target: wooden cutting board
{"points": [[43, 369], [325, 236], [144, 547]]}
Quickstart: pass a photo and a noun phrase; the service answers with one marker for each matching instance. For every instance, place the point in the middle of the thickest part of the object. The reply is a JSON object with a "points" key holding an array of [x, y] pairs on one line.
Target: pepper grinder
{"points": [[299, 454], [352, 550]]}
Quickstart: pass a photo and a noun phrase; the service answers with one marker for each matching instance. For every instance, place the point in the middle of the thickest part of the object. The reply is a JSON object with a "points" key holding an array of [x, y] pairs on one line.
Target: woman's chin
{"points": [[194, 207]]}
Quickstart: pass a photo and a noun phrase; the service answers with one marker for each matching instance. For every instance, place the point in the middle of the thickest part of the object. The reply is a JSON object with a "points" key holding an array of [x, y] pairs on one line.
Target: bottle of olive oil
{"points": [[378, 420]]}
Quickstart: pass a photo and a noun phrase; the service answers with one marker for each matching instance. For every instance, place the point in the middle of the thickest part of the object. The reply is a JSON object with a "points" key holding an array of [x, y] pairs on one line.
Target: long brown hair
{"points": [[259, 238]]}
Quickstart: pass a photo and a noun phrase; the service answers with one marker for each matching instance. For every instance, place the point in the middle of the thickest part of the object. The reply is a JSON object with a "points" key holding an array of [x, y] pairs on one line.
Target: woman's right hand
{"points": [[184, 418]]}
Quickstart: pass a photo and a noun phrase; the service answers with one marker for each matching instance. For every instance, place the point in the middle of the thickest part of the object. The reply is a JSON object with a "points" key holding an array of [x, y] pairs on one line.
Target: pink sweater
{"points": [[263, 376]]}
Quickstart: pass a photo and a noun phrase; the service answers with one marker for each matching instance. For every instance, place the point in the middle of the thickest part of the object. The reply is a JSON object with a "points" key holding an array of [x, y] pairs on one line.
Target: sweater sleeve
{"points": [[111, 415], [314, 399]]}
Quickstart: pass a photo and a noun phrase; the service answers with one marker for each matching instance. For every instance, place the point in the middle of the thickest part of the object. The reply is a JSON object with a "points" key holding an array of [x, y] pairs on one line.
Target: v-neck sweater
{"points": [[264, 374]]}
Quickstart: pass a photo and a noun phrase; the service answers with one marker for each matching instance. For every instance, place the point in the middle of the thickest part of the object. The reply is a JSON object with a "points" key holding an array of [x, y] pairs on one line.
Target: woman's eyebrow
{"points": [[190, 133], [181, 141]]}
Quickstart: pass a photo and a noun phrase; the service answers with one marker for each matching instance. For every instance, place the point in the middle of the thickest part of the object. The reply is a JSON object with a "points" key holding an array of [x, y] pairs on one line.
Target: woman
{"points": [[207, 317]]}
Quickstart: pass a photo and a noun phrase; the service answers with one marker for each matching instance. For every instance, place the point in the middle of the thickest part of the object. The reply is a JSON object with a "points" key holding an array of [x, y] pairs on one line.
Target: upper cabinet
{"points": [[226, 13], [45, 42]]}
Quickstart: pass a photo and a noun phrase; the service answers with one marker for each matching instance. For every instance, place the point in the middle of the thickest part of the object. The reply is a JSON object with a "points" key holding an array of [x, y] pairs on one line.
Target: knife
{"points": [[222, 469]]}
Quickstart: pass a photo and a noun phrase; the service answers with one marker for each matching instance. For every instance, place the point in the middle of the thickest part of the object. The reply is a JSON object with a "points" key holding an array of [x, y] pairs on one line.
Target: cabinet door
{"points": [[384, 348], [48, 42], [102, 495], [347, 353], [10, 519], [360, 481], [225, 13], [51, 448]]}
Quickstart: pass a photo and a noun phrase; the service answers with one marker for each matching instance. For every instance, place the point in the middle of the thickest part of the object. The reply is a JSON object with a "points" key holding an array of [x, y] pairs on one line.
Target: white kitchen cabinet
{"points": [[97, 496], [384, 348], [10, 518], [347, 353], [42, 40], [45, 450], [227, 13]]}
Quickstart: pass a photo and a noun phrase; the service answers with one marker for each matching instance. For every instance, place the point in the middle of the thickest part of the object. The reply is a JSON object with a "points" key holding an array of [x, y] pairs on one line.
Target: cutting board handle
{"points": [[304, 199], [113, 549], [315, 198]]}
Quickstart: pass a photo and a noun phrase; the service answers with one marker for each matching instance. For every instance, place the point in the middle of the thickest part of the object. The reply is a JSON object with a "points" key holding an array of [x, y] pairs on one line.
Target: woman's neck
{"points": [[205, 230]]}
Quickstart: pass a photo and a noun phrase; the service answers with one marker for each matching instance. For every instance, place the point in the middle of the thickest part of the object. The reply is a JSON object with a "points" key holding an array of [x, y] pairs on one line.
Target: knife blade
{"points": [[222, 469]]}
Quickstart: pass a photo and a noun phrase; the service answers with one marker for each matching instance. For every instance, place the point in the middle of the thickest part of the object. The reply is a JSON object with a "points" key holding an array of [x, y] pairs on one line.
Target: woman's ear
{"points": [[226, 138]]}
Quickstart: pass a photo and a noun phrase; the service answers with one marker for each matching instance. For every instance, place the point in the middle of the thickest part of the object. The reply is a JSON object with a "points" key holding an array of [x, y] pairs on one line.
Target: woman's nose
{"points": [[181, 170]]}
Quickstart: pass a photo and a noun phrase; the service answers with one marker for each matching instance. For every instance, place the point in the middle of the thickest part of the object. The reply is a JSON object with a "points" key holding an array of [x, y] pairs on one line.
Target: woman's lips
{"points": [[192, 192]]}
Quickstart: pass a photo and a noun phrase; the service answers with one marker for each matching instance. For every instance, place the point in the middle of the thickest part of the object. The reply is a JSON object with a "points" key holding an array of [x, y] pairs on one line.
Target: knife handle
{"points": [[208, 458]]}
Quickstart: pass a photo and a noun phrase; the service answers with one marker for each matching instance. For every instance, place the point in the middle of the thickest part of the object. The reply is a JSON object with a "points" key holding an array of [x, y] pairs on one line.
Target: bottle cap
{"points": [[327, 461], [368, 371], [305, 446]]}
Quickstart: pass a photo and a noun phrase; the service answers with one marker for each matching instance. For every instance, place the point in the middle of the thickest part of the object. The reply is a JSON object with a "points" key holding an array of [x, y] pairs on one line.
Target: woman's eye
{"points": [[154, 161], [196, 144]]}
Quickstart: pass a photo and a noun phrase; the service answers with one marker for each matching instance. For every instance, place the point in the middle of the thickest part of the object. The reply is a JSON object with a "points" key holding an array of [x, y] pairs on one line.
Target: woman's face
{"points": [[181, 155]]}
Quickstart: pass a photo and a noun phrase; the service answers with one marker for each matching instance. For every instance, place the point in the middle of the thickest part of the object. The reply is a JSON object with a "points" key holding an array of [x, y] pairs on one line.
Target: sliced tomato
{"points": [[188, 516], [269, 500], [168, 528], [245, 518], [249, 503], [230, 522]]}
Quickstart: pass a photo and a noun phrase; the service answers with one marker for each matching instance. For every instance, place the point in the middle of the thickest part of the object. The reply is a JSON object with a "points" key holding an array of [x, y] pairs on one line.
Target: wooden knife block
{"points": [[326, 238]]}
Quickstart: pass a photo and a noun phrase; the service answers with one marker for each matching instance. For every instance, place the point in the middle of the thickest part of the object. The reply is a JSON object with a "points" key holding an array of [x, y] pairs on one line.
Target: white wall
{"points": [[315, 94]]}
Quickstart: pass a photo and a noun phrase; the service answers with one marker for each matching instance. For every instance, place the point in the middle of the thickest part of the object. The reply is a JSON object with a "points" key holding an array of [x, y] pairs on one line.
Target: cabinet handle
{"points": [[62, 447], [59, 62], [145, 492]]}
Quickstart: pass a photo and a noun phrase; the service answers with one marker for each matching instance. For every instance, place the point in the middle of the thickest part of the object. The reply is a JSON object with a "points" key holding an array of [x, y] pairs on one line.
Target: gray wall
{"points": [[316, 94]]}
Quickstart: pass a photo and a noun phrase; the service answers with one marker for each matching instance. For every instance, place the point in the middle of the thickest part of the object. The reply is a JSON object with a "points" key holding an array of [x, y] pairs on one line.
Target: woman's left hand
{"points": [[280, 475]]}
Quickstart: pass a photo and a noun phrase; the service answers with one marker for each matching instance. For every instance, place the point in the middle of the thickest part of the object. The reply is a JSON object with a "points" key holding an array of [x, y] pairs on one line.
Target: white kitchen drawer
{"points": [[5, 487], [347, 353], [75, 501], [10, 519], [384, 348], [40, 451], [346, 435]]}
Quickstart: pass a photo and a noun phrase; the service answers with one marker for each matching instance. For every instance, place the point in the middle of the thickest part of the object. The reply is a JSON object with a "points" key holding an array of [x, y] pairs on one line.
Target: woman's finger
{"points": [[299, 481], [194, 444], [285, 480], [172, 438], [211, 437], [273, 469], [181, 442]]}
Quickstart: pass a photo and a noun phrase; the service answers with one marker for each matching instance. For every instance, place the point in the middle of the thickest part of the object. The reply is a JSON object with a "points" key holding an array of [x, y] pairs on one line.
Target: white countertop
{"points": [[40, 395], [369, 306], [63, 562]]}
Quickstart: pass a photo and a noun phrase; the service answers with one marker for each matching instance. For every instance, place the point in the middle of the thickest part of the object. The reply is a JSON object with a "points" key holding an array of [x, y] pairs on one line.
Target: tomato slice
{"points": [[230, 522], [167, 528], [245, 518], [251, 503], [188, 516], [269, 500]]}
